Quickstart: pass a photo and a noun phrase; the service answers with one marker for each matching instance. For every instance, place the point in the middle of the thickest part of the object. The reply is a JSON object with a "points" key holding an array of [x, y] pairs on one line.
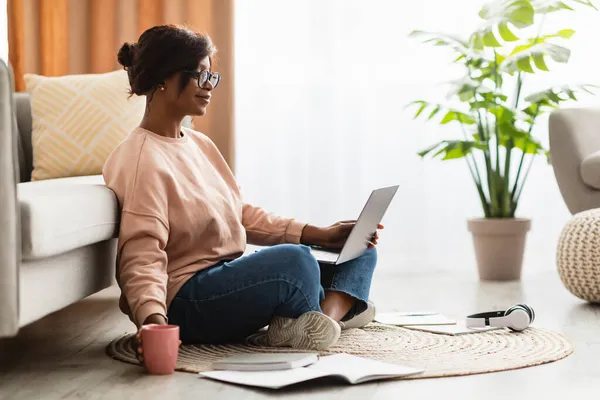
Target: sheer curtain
{"points": [[321, 87]]}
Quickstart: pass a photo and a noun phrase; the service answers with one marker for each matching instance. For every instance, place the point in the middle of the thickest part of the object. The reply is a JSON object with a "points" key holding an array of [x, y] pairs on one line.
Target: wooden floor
{"points": [[62, 356]]}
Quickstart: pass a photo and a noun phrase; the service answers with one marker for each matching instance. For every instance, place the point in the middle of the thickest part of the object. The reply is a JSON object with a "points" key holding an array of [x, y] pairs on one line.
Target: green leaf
{"points": [[520, 13], [584, 88], [442, 39], [461, 117], [429, 149], [499, 58], [562, 34], [538, 59], [524, 65], [565, 33], [466, 88], [434, 112], [528, 145], [451, 114], [498, 15], [501, 112], [453, 149], [490, 40], [532, 109], [466, 95], [475, 105], [506, 33], [510, 131], [417, 102], [546, 7], [586, 3], [492, 97], [488, 72], [548, 95], [423, 107], [521, 57], [458, 150], [551, 97], [476, 42]]}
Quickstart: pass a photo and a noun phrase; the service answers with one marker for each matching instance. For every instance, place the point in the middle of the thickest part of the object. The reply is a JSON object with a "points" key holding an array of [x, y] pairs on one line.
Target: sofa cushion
{"points": [[59, 215], [590, 170], [78, 120]]}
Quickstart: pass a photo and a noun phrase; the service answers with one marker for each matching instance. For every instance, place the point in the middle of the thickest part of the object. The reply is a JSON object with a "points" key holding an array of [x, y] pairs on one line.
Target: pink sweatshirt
{"points": [[181, 211]]}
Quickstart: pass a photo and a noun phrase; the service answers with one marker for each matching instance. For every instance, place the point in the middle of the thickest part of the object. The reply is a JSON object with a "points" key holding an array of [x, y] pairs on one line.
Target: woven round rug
{"points": [[439, 355]]}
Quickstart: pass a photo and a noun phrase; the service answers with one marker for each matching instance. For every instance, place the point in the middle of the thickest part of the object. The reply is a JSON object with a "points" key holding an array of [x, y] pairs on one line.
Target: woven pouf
{"points": [[578, 255]]}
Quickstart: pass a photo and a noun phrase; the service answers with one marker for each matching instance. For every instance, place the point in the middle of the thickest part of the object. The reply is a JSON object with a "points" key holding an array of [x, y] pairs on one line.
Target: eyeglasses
{"points": [[204, 76]]}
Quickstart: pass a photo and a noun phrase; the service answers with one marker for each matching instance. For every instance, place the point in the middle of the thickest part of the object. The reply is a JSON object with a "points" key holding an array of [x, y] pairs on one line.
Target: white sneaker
{"points": [[362, 319], [311, 331]]}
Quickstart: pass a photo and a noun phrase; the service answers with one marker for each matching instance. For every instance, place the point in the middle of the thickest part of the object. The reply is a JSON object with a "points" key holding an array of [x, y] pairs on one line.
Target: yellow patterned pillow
{"points": [[77, 121]]}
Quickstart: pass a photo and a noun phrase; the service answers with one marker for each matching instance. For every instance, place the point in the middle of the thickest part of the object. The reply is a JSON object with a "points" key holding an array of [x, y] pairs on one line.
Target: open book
{"points": [[407, 319], [460, 328], [351, 368], [265, 361]]}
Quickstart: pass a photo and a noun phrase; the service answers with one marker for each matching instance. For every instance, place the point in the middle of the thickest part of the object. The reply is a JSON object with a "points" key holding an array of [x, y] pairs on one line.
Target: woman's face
{"points": [[193, 100]]}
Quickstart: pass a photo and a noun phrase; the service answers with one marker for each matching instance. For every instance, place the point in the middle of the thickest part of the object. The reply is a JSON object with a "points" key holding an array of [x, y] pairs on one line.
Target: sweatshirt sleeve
{"points": [[265, 229], [143, 264], [136, 177]]}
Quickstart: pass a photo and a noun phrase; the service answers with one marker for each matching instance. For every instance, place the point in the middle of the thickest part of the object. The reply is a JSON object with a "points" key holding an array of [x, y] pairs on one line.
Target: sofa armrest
{"points": [[574, 135], [10, 246]]}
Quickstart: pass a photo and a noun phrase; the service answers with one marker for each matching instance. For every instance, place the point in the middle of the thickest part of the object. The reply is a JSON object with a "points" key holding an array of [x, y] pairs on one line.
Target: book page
{"points": [[400, 319], [459, 329], [351, 368], [266, 379], [357, 369]]}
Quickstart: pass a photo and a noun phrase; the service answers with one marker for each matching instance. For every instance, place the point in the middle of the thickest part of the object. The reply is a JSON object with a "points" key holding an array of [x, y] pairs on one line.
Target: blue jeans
{"points": [[233, 299]]}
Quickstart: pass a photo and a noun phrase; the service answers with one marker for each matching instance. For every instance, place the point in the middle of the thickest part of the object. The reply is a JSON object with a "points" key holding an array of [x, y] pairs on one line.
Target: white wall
{"points": [[3, 31], [320, 90]]}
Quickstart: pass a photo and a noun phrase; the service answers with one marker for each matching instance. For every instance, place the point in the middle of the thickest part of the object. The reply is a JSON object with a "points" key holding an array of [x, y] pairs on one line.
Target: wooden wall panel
{"points": [[54, 37]]}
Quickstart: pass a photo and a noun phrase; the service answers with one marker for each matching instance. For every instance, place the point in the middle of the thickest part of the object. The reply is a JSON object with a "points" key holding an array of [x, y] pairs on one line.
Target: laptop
{"points": [[366, 225]]}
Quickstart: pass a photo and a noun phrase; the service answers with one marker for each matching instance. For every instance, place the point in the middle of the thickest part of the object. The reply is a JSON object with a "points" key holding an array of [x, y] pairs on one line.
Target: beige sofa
{"points": [[57, 243], [575, 155]]}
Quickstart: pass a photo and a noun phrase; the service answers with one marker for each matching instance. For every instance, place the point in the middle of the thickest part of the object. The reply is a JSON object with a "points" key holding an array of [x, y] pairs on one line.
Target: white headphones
{"points": [[516, 318]]}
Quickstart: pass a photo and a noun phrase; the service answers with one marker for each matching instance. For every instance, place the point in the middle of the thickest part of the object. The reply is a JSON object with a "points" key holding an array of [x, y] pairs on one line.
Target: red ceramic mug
{"points": [[160, 346]]}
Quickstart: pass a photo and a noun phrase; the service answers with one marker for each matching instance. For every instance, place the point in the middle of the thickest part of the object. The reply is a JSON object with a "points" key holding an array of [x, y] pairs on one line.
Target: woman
{"points": [[184, 225]]}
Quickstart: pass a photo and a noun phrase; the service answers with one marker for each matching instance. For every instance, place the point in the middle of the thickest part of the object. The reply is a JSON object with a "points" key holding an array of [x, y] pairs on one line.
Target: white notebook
{"points": [[459, 328], [265, 361], [350, 368], [407, 319]]}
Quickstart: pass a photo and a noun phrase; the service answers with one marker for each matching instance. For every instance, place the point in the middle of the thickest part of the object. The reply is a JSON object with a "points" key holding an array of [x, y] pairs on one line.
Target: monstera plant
{"points": [[493, 116]]}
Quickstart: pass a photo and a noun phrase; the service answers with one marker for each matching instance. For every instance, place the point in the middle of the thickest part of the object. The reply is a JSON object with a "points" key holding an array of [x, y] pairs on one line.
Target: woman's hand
{"points": [[154, 319], [334, 236]]}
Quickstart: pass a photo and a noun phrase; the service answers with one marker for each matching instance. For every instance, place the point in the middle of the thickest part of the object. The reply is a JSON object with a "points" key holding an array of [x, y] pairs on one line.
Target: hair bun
{"points": [[125, 55]]}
